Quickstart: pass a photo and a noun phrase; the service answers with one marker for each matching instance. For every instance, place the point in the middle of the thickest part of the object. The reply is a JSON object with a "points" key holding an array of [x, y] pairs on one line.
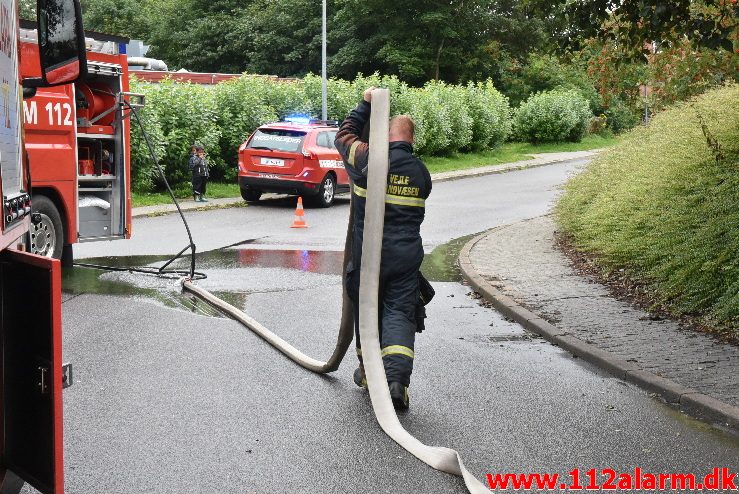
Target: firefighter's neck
{"points": [[400, 137]]}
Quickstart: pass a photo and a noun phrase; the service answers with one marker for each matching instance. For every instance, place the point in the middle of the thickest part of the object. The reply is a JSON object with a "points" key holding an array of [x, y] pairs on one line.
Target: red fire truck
{"points": [[31, 375], [77, 140]]}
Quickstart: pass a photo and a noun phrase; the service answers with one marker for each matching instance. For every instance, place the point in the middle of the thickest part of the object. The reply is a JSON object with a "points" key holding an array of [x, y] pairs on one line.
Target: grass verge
{"points": [[662, 207], [215, 190], [511, 152]]}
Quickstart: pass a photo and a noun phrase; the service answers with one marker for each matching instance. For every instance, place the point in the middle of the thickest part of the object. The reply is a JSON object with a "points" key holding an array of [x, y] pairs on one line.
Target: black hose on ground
{"points": [[161, 271]]}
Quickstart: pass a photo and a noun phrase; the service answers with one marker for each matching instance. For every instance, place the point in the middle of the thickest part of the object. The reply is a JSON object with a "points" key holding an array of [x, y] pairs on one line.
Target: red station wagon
{"points": [[296, 157]]}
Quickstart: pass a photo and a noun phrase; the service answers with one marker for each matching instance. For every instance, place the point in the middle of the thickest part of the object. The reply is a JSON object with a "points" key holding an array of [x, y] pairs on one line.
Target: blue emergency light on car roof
{"points": [[301, 119], [297, 119]]}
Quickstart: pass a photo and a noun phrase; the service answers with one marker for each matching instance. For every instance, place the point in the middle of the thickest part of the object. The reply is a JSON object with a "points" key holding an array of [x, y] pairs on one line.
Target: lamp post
{"points": [[324, 96]]}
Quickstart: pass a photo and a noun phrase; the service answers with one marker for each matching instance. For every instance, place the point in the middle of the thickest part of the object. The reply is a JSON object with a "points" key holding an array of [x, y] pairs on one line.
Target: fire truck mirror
{"points": [[61, 43]]}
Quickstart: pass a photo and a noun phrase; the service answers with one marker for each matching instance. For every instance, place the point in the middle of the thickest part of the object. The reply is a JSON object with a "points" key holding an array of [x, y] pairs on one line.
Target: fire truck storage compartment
{"points": [[27, 359], [100, 143], [100, 193]]}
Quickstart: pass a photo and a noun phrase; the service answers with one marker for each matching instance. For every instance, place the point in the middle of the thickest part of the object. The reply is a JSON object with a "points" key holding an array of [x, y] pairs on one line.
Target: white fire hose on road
{"points": [[444, 459]]}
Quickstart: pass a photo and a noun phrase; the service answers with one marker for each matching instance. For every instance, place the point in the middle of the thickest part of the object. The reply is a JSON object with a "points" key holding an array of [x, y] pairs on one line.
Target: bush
{"points": [[664, 205], [677, 71], [491, 115], [553, 116], [448, 118], [546, 73], [620, 117], [181, 114], [242, 108], [433, 126], [143, 174]]}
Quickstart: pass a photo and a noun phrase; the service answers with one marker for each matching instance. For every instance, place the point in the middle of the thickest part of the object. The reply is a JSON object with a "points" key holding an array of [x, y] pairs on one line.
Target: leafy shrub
{"points": [[546, 73], [455, 110], [448, 117], [675, 72], [682, 70], [143, 174], [185, 113], [491, 115], [242, 107], [598, 125], [390, 82], [620, 117], [433, 129], [664, 205], [553, 116]]}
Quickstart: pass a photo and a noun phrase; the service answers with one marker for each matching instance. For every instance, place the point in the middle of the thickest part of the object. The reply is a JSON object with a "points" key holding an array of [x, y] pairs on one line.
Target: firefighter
{"points": [[199, 167], [409, 185]]}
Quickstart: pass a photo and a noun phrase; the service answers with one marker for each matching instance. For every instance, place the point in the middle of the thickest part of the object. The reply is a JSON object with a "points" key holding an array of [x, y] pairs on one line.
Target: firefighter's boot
{"points": [[203, 199], [360, 379], [399, 395]]}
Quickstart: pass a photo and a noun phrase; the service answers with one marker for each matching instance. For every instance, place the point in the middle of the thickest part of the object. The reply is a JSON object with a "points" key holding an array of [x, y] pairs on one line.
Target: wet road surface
{"points": [[170, 398], [171, 401]]}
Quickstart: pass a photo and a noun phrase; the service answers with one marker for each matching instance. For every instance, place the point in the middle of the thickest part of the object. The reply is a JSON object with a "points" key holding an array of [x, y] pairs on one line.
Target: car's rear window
{"points": [[277, 140]]}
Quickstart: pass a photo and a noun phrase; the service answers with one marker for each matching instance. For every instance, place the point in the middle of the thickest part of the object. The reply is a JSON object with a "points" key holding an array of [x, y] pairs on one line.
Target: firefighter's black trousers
{"points": [[398, 301]]}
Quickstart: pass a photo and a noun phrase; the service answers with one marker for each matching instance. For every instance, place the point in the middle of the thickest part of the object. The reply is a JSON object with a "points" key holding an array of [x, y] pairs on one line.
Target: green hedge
{"points": [[553, 116], [664, 205], [449, 118]]}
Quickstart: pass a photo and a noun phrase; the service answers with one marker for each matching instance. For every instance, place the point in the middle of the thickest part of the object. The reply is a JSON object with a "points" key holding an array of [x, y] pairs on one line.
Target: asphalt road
{"points": [[455, 208], [170, 401]]}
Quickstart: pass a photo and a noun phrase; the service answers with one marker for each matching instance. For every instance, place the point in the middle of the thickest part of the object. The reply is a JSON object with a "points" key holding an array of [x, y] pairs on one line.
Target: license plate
{"points": [[266, 175], [272, 162]]}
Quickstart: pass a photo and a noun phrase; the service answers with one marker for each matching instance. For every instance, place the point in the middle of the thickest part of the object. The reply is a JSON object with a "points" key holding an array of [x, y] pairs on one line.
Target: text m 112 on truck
{"points": [[78, 143]]}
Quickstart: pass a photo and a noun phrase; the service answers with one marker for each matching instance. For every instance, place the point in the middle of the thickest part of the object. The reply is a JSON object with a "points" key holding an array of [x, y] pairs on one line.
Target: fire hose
{"points": [[444, 459]]}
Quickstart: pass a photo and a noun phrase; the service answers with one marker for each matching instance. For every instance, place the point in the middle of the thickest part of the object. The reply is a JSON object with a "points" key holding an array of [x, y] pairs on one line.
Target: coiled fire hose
{"points": [[444, 459]]}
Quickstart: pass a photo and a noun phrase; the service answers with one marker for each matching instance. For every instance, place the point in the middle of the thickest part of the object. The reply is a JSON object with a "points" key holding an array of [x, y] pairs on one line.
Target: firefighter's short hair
{"points": [[404, 123]]}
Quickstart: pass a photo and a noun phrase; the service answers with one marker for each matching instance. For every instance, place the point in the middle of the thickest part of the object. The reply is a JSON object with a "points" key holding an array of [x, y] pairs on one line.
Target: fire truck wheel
{"points": [[326, 192], [250, 195], [47, 236]]}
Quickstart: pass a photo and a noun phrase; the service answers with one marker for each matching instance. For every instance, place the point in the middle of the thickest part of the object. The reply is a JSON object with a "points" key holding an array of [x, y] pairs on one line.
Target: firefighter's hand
{"points": [[368, 94]]}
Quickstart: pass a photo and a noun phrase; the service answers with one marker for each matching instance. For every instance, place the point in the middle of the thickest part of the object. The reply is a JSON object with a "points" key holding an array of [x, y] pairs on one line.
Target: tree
{"points": [[122, 17], [28, 9], [200, 35], [708, 23], [286, 36], [416, 40]]}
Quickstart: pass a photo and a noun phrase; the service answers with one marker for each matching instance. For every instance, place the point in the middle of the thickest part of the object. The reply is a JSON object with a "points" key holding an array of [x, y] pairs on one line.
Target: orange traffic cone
{"points": [[299, 221]]}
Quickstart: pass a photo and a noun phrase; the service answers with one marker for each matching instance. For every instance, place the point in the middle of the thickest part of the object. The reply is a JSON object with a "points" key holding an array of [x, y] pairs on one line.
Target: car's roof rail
{"points": [[329, 123]]}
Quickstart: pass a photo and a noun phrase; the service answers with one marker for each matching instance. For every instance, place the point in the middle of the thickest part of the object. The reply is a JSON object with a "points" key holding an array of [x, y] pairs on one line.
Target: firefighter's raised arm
{"points": [[348, 140]]}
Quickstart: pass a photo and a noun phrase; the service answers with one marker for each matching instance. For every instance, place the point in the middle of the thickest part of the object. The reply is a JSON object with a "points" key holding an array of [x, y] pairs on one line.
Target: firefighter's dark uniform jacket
{"points": [[409, 185]]}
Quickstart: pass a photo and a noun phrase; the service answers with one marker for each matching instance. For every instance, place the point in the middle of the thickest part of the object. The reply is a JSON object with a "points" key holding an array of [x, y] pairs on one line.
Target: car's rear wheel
{"points": [[326, 192], [250, 195]]}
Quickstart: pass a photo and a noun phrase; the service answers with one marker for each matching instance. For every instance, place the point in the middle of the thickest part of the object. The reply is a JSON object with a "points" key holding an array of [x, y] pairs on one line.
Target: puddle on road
{"points": [[165, 291], [226, 267]]}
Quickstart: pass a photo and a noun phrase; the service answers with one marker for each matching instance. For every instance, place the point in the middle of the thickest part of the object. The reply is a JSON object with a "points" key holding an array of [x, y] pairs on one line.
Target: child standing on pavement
{"points": [[199, 168]]}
